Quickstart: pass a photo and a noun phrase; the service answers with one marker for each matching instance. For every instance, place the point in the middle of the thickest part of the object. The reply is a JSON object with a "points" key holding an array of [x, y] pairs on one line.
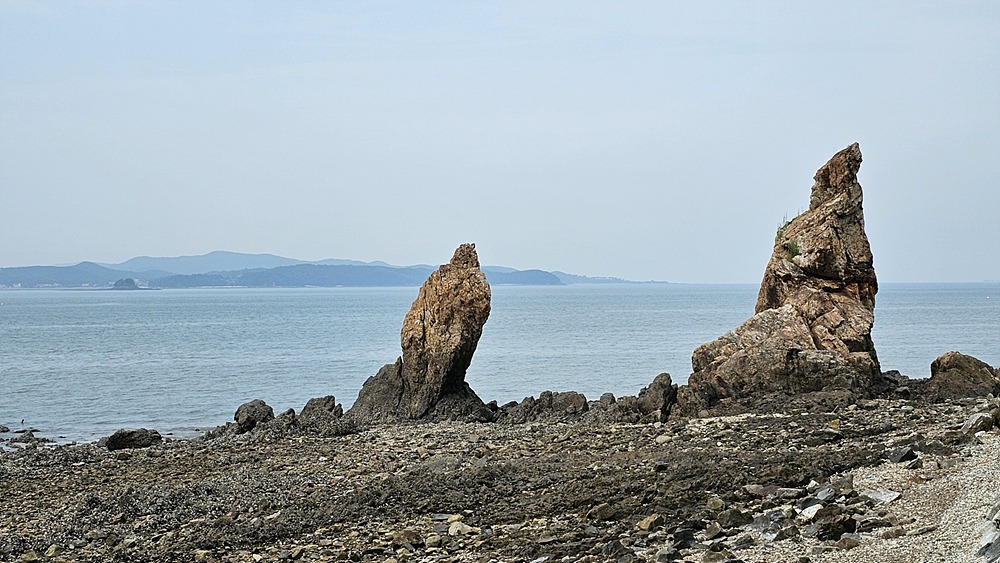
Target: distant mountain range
{"points": [[233, 269]]}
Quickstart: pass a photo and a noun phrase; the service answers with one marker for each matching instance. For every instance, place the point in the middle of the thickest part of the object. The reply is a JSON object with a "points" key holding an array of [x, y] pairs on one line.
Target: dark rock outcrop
{"points": [[815, 309], [653, 404], [558, 405], [955, 375], [322, 406], [439, 337], [131, 439], [249, 415]]}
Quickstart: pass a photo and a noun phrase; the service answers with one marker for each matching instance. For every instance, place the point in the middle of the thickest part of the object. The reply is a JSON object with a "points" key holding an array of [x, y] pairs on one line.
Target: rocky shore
{"points": [[787, 444], [874, 480]]}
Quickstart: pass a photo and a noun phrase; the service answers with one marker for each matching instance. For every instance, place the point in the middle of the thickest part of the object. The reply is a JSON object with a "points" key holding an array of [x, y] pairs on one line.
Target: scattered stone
{"points": [[976, 423], [4, 429], [603, 511], [413, 538], [880, 496], [807, 514], [459, 528], [902, 454], [848, 541], [893, 532], [734, 518], [922, 530], [651, 523]]}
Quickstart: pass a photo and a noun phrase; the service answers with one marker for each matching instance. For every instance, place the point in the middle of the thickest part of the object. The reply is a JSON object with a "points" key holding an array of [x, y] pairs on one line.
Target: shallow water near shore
{"points": [[78, 365]]}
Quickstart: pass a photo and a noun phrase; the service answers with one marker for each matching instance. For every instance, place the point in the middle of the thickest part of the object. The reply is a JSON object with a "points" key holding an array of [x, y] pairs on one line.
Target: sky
{"points": [[643, 140]]}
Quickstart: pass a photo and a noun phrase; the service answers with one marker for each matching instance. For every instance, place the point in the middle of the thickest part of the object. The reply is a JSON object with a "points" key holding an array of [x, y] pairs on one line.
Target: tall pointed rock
{"points": [[815, 309], [439, 337]]}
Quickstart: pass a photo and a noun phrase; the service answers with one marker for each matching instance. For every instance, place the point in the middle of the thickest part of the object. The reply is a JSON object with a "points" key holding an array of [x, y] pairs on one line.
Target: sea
{"points": [[77, 365]]}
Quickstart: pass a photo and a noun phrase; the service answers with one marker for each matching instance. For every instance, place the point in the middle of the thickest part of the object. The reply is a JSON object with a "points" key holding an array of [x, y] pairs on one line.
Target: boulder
{"points": [[955, 375], [439, 337], [815, 308], [249, 415], [128, 439], [658, 398]]}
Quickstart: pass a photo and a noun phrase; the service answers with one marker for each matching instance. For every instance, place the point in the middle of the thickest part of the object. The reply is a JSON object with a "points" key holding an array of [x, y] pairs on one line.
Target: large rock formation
{"points": [[439, 336], [815, 309]]}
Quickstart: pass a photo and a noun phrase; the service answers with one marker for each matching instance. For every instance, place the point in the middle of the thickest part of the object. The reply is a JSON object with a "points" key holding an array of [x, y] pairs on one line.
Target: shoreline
{"points": [[563, 488]]}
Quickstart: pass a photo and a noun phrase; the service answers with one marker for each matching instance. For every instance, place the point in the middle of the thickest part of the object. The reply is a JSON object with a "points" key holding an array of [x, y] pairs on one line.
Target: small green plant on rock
{"points": [[791, 249]]}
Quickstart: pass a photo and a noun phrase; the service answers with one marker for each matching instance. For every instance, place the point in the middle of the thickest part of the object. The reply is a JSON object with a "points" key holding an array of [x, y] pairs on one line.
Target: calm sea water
{"points": [[79, 365]]}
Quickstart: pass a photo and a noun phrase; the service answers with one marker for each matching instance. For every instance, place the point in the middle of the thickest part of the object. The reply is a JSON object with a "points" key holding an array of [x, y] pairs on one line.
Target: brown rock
{"points": [[815, 309], [439, 336], [955, 375]]}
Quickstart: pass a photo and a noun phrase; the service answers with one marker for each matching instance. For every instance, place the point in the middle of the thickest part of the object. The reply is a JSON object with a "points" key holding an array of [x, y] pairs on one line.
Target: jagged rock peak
{"points": [[438, 339], [838, 176], [465, 257], [826, 247]]}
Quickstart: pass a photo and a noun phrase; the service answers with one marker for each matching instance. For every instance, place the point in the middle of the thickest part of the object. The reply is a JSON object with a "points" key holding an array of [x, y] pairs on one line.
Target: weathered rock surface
{"points": [[138, 438], [955, 375], [815, 309], [249, 415], [439, 337]]}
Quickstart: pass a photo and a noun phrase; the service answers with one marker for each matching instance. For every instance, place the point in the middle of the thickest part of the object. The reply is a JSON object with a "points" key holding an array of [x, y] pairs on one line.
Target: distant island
{"points": [[125, 284], [233, 269]]}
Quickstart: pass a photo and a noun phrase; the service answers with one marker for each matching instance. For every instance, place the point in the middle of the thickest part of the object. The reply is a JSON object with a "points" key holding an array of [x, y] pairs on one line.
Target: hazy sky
{"points": [[661, 140]]}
